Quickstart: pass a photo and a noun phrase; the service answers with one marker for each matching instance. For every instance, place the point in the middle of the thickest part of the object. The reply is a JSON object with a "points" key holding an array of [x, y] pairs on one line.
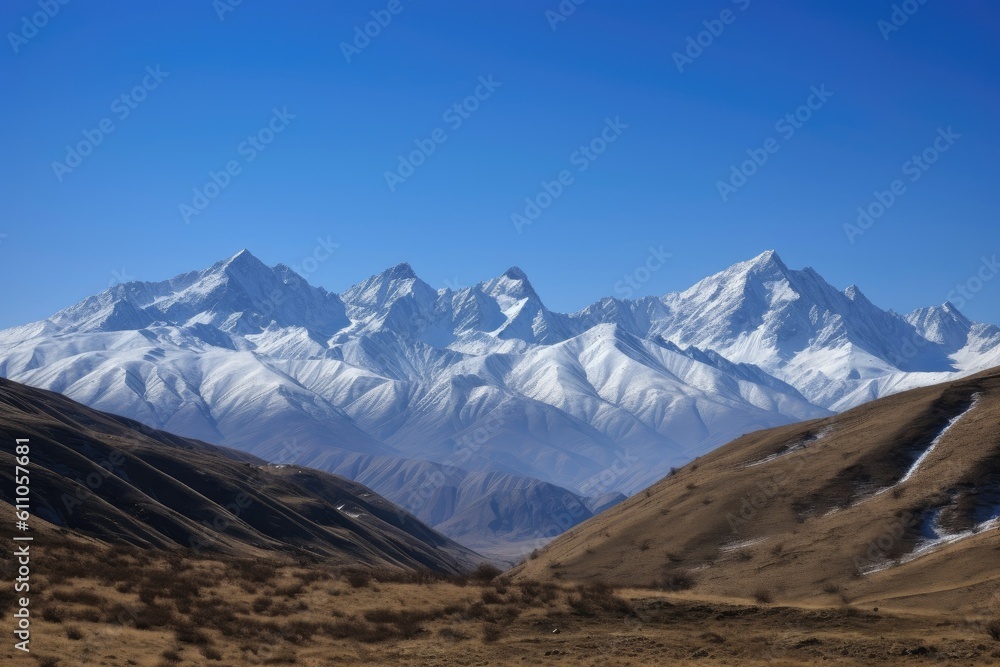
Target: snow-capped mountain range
{"points": [[448, 401]]}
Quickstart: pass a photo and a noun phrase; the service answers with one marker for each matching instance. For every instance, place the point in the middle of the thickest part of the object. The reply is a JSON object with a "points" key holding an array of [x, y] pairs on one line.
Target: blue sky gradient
{"points": [[68, 234]]}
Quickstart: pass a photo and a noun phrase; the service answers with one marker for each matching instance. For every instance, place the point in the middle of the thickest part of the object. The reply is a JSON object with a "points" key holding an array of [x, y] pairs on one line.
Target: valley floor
{"points": [[123, 607]]}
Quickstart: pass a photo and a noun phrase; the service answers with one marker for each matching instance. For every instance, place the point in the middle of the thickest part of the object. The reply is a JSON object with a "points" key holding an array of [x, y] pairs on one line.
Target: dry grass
{"points": [[186, 613], [807, 524]]}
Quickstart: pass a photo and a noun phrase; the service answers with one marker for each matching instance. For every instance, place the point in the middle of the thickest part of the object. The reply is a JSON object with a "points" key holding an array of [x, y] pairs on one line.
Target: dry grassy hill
{"points": [[892, 504], [316, 570], [95, 475]]}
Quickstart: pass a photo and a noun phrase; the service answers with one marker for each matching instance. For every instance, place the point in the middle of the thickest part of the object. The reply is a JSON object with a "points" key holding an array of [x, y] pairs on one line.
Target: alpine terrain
{"points": [[99, 479], [479, 410], [893, 504]]}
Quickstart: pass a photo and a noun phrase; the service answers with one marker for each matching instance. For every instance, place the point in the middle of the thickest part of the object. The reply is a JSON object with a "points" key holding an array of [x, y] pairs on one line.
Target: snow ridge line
{"points": [[934, 443]]}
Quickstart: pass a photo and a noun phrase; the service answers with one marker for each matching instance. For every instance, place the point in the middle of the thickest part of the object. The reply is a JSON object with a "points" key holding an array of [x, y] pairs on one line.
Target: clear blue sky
{"points": [[324, 173]]}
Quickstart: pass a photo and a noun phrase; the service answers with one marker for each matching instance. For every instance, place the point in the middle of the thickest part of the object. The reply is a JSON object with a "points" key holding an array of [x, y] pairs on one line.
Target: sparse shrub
{"points": [[261, 603], [188, 634], [148, 595], [48, 662], [153, 616], [256, 571], [743, 556], [73, 632], [53, 614], [299, 631], [312, 576], [993, 629], [677, 581], [491, 597], [353, 628], [358, 578], [831, 588], [532, 591], [495, 614], [291, 590], [713, 638], [486, 572], [533, 555], [211, 653], [171, 655], [763, 596], [492, 632], [596, 597], [184, 588], [645, 545]]}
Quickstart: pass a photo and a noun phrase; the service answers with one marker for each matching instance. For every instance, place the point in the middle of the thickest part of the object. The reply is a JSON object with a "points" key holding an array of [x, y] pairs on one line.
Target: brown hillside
{"points": [[820, 512], [99, 476]]}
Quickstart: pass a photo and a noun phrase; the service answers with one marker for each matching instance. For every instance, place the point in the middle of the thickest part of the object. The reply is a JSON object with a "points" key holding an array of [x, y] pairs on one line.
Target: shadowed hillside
{"points": [[109, 478]]}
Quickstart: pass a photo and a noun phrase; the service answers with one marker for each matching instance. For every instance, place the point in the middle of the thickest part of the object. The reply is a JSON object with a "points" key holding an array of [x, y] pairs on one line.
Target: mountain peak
{"points": [[401, 271], [243, 262], [953, 310], [515, 273], [244, 256], [944, 324], [512, 283], [768, 259], [854, 293]]}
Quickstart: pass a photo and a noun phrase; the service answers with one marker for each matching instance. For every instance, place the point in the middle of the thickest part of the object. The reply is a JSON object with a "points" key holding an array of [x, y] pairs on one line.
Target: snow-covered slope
{"points": [[393, 379]]}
